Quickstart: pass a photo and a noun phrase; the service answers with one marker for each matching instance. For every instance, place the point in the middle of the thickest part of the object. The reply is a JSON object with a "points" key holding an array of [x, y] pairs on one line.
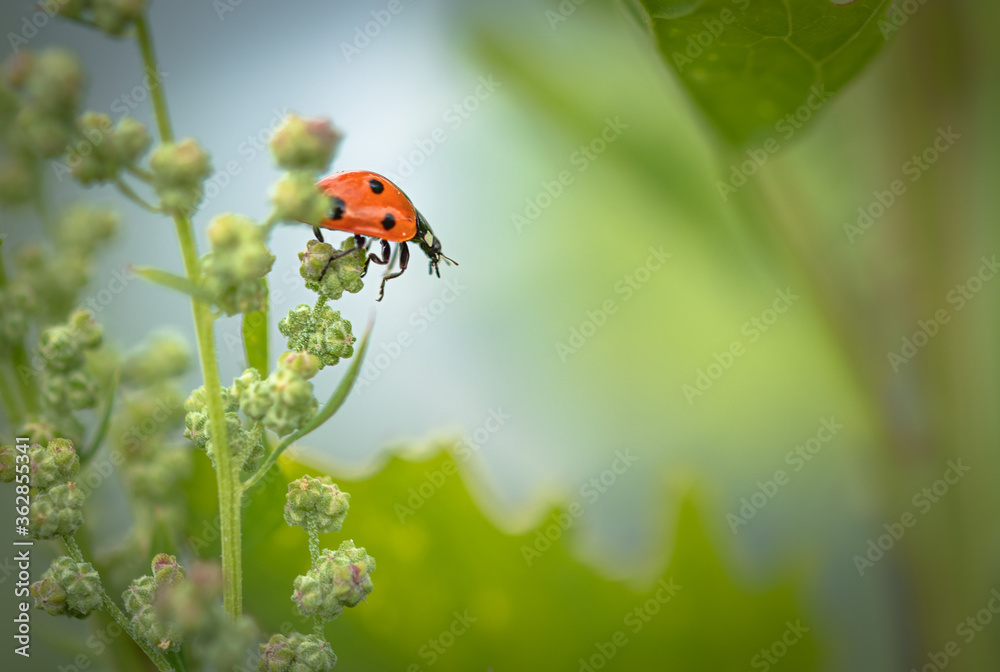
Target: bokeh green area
{"points": [[608, 296]]}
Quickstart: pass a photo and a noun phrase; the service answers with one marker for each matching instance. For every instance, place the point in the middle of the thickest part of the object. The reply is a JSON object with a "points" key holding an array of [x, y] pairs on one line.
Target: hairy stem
{"points": [[227, 478], [109, 605]]}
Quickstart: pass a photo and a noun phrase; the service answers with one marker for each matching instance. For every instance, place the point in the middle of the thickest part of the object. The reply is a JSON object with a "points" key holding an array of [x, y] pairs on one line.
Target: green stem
{"points": [[109, 605], [18, 359], [133, 196], [227, 477]]}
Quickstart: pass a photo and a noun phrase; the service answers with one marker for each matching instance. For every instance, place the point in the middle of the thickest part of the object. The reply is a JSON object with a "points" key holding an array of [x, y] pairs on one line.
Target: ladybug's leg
{"points": [[319, 234], [381, 261], [404, 260]]}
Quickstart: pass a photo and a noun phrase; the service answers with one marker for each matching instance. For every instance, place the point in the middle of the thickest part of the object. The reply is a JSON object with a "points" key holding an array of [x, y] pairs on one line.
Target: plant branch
{"points": [[133, 196], [227, 477]]}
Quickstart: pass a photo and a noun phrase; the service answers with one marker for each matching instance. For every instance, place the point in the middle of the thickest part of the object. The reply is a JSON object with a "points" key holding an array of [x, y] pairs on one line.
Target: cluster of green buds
{"points": [[50, 85], [57, 505], [296, 653], [320, 331], [283, 402], [68, 588], [246, 442], [66, 382], [233, 272], [330, 279], [111, 16], [145, 599], [338, 579], [53, 277], [103, 151], [179, 172], [305, 148]]}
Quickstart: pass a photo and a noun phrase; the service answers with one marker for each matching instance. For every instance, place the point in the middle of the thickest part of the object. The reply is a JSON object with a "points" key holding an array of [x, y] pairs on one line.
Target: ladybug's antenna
{"points": [[450, 261]]}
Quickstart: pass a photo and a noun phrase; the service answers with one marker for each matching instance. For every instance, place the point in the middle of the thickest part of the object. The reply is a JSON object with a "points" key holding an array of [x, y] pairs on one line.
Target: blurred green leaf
{"points": [[255, 337], [751, 63], [438, 557]]}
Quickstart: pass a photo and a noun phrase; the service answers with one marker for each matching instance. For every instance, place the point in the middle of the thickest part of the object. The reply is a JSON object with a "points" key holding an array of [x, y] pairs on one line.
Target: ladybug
{"points": [[371, 206]]}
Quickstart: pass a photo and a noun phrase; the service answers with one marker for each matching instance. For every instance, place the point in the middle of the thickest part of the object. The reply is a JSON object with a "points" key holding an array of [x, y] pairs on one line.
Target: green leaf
{"points": [[255, 336], [751, 63], [439, 556], [179, 283], [102, 429]]}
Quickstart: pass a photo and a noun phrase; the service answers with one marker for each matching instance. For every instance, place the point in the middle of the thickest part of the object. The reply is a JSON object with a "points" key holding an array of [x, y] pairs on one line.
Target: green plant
{"points": [[176, 616]]}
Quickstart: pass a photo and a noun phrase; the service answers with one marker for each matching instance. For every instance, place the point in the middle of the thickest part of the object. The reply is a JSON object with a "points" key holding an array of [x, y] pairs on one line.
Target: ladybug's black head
{"points": [[431, 245]]}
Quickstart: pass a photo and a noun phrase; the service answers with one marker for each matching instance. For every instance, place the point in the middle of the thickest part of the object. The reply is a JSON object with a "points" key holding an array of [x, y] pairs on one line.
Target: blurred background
{"points": [[664, 367]]}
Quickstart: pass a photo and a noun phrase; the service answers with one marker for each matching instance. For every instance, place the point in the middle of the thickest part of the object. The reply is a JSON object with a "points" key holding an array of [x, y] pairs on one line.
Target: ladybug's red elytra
{"points": [[369, 205]]}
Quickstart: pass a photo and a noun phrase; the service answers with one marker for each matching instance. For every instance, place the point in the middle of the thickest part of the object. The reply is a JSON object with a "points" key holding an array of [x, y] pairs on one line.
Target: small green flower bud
{"points": [[16, 302], [157, 477], [283, 402], [130, 140], [296, 653], [68, 588], [341, 578], [98, 164], [56, 512], [297, 199], [74, 391], [18, 181], [343, 275], [55, 81], [166, 570], [45, 134], [316, 503], [237, 263], [139, 594], [179, 170], [196, 419], [83, 227], [305, 144], [320, 331], [8, 461], [114, 16], [146, 598], [54, 464], [38, 431]]}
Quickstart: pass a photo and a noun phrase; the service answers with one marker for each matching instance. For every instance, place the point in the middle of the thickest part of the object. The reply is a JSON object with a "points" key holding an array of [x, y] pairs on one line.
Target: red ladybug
{"points": [[369, 205]]}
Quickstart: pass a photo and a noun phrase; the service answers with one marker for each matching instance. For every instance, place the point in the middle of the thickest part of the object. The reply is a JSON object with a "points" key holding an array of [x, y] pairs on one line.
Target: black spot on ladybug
{"points": [[388, 221], [376, 186], [339, 207]]}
